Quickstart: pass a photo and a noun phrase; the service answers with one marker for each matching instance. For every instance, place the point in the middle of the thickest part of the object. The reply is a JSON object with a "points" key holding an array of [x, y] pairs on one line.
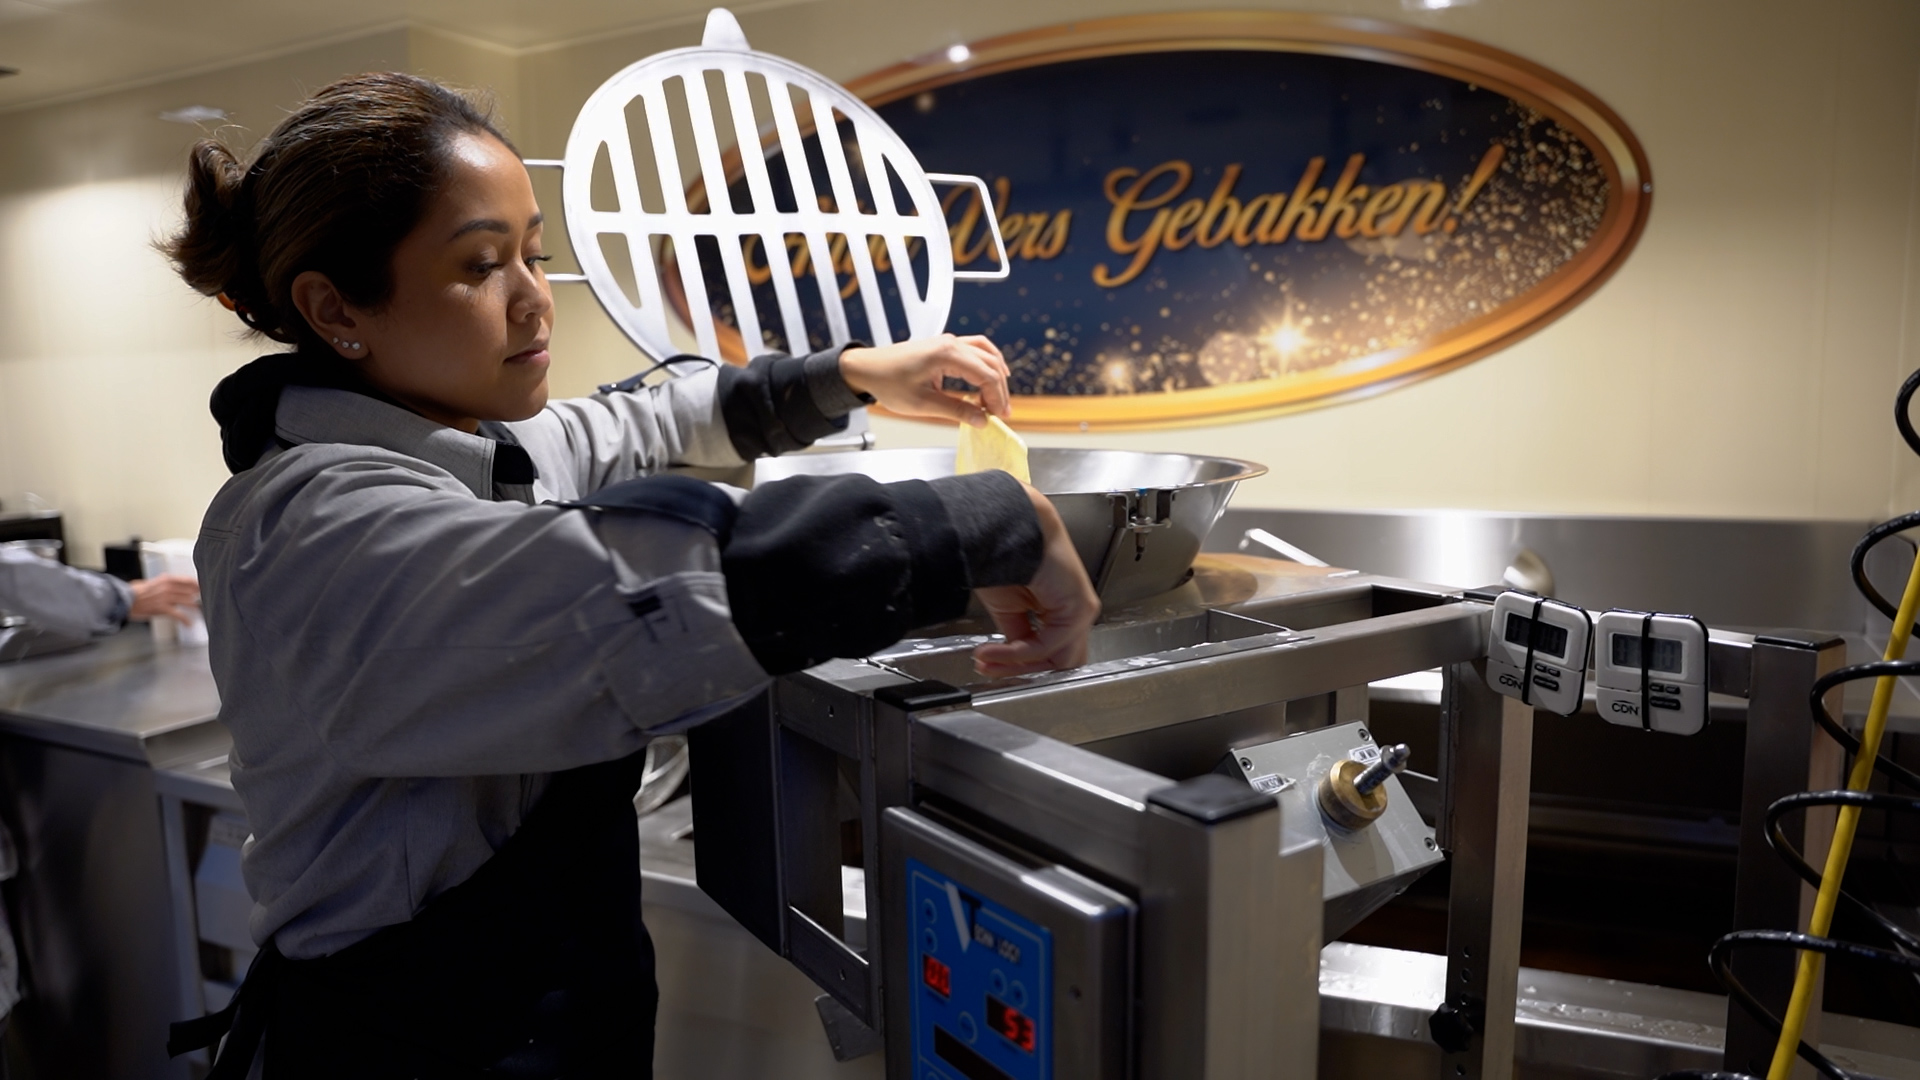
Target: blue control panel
{"points": [[982, 995]]}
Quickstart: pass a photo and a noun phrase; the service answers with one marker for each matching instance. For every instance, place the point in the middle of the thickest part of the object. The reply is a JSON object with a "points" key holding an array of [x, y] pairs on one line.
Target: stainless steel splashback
{"points": [[1733, 573]]}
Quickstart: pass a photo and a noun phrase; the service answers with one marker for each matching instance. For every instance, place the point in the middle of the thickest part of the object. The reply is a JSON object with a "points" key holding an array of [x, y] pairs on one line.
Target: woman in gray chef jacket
{"points": [[446, 615]]}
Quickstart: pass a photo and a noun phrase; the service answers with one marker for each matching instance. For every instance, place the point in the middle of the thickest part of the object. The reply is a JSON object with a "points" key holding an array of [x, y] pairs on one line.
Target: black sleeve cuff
{"points": [[998, 531], [819, 567], [771, 406], [831, 394]]}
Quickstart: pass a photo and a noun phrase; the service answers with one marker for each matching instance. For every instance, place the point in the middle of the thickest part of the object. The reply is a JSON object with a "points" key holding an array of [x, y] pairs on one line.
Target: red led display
{"points": [[1011, 1024], [937, 976]]}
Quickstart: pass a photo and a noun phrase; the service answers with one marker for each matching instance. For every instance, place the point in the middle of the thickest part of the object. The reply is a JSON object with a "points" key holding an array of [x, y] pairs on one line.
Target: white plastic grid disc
{"points": [[724, 214]]}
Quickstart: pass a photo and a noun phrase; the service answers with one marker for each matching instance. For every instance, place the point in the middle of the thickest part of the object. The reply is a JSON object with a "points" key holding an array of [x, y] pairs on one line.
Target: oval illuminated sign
{"points": [[1217, 216]]}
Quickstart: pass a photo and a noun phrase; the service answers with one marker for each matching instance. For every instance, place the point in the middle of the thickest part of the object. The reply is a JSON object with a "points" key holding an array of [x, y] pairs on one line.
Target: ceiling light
{"points": [[959, 54], [1434, 5], [193, 114]]}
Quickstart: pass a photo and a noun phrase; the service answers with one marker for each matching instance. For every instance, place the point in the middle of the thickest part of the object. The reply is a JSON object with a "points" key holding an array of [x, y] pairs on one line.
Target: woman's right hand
{"points": [[1047, 620]]}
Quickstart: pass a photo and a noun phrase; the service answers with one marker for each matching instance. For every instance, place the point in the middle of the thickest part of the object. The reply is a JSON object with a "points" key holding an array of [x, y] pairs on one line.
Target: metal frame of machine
{"points": [[1227, 933], [1229, 928]]}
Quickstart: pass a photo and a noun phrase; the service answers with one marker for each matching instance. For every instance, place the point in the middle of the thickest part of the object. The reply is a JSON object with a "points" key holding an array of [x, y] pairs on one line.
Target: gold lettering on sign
{"points": [[1222, 198], [839, 255], [1033, 236], [1027, 236], [1305, 198], [1145, 218], [1135, 197]]}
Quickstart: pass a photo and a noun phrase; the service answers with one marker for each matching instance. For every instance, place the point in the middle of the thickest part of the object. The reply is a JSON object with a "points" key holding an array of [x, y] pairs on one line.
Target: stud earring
{"points": [[351, 346]]}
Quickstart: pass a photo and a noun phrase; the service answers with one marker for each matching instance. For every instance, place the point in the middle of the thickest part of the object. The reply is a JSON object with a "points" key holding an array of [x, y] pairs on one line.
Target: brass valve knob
{"points": [[1353, 795]]}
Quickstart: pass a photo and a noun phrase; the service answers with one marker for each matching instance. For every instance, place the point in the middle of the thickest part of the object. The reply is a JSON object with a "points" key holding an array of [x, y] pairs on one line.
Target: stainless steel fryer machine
{"points": [[1128, 870]]}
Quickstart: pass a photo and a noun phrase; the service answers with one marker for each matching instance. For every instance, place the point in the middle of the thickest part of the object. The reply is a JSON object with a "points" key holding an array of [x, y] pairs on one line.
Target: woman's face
{"points": [[464, 337]]}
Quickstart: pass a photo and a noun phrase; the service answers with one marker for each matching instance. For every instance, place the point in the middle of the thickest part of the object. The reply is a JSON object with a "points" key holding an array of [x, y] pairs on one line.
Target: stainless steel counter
{"points": [[82, 735], [124, 697]]}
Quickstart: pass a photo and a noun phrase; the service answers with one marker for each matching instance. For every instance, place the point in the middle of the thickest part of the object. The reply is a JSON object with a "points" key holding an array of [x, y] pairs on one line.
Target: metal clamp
{"points": [[993, 227], [1135, 514]]}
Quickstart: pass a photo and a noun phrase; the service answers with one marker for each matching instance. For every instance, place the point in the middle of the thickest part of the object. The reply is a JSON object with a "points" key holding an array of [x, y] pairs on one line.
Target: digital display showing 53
{"points": [[1012, 1024]]}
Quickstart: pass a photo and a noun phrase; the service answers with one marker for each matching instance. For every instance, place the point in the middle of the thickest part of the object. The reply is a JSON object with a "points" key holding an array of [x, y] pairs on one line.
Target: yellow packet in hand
{"points": [[994, 446]]}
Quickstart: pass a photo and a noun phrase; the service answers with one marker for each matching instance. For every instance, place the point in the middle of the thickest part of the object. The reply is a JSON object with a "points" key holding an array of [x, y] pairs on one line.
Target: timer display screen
{"points": [[1012, 1025], [1663, 654], [937, 976], [1547, 638]]}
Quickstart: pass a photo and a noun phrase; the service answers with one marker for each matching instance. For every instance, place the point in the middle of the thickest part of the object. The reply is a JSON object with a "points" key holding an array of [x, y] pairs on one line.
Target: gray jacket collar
{"points": [[312, 414]]}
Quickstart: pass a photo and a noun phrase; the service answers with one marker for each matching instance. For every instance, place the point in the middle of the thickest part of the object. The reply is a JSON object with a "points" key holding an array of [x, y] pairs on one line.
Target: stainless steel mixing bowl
{"points": [[1137, 519]]}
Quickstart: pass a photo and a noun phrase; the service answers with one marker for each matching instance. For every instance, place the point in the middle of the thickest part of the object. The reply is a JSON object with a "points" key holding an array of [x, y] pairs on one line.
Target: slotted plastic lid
{"points": [[727, 217]]}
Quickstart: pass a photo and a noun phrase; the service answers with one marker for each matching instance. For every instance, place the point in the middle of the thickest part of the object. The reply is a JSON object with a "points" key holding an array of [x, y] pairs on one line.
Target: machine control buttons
{"points": [[1039, 961], [1537, 651], [929, 911], [1650, 671], [990, 974]]}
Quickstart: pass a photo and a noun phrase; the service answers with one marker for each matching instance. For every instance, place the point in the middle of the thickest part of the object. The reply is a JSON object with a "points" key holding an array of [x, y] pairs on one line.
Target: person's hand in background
{"points": [[171, 596]]}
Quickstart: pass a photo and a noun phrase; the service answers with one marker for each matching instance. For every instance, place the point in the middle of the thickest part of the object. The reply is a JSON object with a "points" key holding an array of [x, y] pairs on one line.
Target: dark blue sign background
{"points": [[1203, 316], [1281, 224]]}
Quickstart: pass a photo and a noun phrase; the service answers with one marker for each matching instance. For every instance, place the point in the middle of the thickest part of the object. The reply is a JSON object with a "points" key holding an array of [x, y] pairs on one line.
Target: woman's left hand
{"points": [[908, 378]]}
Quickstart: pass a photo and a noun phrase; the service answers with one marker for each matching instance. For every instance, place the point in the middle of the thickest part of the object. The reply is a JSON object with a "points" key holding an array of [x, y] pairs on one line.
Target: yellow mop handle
{"points": [[1808, 974]]}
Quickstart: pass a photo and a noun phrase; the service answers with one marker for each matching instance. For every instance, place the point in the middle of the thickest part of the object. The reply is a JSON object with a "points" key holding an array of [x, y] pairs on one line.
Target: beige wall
{"points": [[1745, 356], [106, 360]]}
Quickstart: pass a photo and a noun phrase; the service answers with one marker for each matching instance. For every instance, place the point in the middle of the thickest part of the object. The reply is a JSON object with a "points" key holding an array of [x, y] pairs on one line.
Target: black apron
{"points": [[537, 966]]}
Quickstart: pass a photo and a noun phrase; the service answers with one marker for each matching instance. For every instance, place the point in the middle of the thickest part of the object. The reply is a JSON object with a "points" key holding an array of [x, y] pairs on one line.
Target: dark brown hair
{"points": [[335, 188]]}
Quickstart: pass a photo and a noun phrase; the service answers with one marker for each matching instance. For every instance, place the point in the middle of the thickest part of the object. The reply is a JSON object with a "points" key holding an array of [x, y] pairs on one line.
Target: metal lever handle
{"points": [[993, 226], [1392, 759]]}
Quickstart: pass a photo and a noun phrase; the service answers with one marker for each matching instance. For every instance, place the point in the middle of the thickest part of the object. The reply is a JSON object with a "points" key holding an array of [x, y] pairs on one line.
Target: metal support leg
{"points": [[1785, 754], [1488, 741], [1229, 958], [186, 932]]}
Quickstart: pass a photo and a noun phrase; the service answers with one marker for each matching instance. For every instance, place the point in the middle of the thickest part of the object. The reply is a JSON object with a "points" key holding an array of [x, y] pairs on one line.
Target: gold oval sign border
{"points": [[1552, 94]]}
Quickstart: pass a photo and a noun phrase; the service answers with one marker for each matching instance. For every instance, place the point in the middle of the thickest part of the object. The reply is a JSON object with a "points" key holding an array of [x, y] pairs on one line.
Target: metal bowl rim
{"points": [[1248, 469]]}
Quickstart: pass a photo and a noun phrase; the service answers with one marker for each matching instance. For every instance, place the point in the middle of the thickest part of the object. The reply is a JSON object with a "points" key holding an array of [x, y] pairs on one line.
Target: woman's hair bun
{"points": [[213, 252], [334, 188]]}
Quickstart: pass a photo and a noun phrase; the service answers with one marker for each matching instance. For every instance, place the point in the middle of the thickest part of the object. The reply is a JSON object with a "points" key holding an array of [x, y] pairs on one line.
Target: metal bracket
{"points": [[848, 1037], [1135, 514]]}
